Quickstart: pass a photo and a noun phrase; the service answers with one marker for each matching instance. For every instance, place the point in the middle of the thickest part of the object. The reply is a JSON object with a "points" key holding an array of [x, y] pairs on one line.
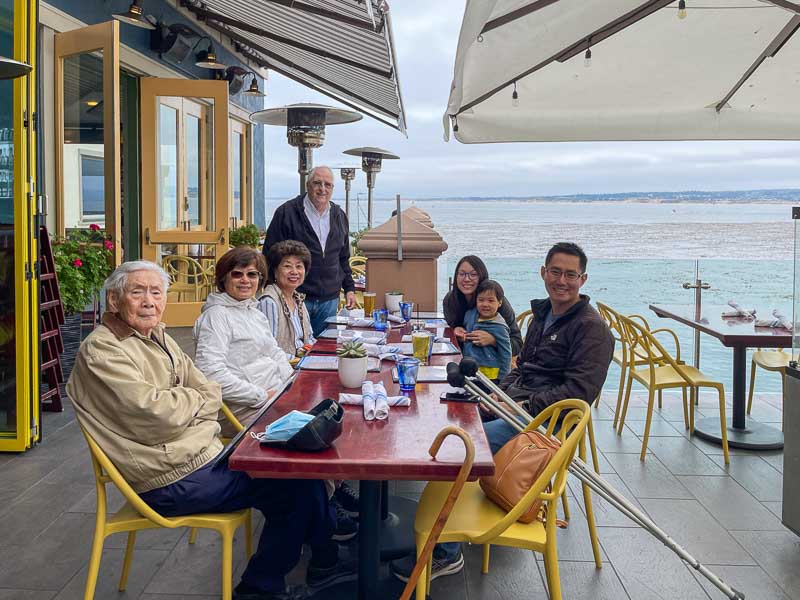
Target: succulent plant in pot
{"points": [[352, 364]]}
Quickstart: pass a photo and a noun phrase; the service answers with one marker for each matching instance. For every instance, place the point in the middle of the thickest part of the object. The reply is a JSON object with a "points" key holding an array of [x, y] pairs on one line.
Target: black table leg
{"points": [[368, 539], [741, 432]]}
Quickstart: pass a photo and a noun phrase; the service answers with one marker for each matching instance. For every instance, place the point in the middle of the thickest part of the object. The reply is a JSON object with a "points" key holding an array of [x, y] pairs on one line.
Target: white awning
{"points": [[341, 48], [729, 70]]}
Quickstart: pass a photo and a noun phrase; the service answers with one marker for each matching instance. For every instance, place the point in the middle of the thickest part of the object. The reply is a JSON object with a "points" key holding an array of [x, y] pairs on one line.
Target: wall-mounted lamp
{"points": [[208, 58], [236, 78], [135, 16], [11, 69]]}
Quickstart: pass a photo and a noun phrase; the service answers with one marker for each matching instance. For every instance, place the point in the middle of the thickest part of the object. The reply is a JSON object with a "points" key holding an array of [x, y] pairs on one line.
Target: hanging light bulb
{"points": [[682, 9], [515, 96], [587, 58], [455, 124]]}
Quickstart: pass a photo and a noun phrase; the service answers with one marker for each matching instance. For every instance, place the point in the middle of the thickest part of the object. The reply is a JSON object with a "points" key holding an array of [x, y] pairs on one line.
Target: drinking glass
{"points": [[422, 344], [369, 302], [380, 317], [406, 310], [407, 371]]}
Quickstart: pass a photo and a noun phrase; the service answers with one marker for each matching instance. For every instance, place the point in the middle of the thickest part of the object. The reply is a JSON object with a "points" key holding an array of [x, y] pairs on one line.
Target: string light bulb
{"points": [[682, 9], [515, 96], [455, 124], [587, 58]]}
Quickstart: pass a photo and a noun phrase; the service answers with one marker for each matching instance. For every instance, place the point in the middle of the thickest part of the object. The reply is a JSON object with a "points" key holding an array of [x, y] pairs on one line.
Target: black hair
{"points": [[455, 303], [491, 285], [568, 248]]}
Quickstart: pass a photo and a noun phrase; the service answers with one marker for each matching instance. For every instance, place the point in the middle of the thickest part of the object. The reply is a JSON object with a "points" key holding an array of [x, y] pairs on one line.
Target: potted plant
{"points": [[248, 235], [352, 364], [393, 300], [83, 261]]}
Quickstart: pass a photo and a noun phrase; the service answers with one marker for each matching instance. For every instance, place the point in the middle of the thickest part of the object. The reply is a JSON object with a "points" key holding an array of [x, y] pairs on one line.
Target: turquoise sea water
{"points": [[639, 254]]}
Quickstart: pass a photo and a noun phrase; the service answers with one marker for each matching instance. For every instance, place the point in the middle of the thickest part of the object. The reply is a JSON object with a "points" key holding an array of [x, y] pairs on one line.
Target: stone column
{"points": [[416, 275]]}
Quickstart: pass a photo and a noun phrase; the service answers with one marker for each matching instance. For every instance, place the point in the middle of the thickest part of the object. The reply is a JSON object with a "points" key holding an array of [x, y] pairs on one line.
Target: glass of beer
{"points": [[369, 303], [422, 344]]}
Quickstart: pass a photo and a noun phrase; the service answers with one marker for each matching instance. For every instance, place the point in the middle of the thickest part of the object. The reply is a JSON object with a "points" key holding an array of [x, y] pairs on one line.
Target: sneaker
{"points": [[402, 567], [346, 527], [347, 498], [247, 592], [322, 577]]}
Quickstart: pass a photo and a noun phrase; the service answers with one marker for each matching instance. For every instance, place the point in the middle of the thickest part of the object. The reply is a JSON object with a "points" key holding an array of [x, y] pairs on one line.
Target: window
{"points": [[92, 196]]}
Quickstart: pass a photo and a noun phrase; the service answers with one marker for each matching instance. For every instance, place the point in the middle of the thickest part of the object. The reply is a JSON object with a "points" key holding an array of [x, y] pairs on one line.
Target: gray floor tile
{"points": [[573, 542], [773, 458], [752, 581], [765, 413], [681, 458], [144, 565], [602, 412], [658, 428], [730, 503], [583, 580], [755, 475], [26, 595], [151, 539], [776, 508], [609, 442], [88, 504], [694, 528], [177, 597], [647, 569], [605, 515], [513, 574], [648, 479], [778, 553]]}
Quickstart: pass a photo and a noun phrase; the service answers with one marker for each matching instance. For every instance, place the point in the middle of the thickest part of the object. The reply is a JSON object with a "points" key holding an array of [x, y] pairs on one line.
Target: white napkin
{"points": [[368, 400], [382, 402], [366, 337], [780, 320], [353, 313], [738, 311], [395, 318], [380, 349], [359, 322], [439, 339]]}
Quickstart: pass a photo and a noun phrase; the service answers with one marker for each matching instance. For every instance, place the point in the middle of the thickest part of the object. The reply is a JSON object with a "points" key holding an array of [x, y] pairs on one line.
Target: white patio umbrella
{"points": [[729, 70]]}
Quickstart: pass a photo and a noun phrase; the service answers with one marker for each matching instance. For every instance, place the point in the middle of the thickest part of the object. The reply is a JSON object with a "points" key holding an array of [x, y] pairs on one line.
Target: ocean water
{"points": [[639, 254]]}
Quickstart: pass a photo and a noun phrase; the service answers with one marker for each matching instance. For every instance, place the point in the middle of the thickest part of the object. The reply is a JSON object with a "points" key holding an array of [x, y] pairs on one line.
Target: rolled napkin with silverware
{"points": [[738, 311], [381, 402], [779, 320], [395, 318], [358, 399], [368, 400], [380, 349]]}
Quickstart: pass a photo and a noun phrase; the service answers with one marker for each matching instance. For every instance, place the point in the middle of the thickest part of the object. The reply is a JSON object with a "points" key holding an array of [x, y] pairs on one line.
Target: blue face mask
{"points": [[286, 426]]}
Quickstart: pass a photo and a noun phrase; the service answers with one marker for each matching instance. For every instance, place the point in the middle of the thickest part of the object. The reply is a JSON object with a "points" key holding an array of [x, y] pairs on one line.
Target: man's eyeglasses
{"points": [[249, 274], [322, 184], [556, 273], [465, 275]]}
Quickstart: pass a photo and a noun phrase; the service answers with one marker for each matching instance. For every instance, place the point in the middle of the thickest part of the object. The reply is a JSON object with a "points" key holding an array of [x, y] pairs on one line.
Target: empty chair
{"points": [[187, 276], [661, 371], [769, 360]]}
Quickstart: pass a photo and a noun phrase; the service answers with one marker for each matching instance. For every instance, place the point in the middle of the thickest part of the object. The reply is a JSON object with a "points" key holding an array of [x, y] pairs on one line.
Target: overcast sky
{"points": [[426, 33]]}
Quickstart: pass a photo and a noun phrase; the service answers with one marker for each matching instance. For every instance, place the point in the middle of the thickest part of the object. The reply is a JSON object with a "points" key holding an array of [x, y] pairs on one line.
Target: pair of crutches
{"points": [[466, 375]]}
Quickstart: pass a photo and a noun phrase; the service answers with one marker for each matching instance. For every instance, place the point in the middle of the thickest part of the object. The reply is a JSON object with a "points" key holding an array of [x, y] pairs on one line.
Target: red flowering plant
{"points": [[83, 261]]}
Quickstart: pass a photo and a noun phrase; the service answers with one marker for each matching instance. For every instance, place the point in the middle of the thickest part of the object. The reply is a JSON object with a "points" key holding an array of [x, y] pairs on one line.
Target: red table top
{"points": [[730, 331], [394, 449]]}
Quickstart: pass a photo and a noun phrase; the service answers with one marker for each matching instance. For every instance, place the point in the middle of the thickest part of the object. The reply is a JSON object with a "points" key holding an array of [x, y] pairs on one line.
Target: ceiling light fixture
{"points": [[515, 96], [208, 58], [135, 16]]}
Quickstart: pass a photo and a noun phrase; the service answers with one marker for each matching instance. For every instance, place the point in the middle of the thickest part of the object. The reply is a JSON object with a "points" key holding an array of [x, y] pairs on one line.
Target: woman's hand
{"points": [[479, 337], [460, 333]]}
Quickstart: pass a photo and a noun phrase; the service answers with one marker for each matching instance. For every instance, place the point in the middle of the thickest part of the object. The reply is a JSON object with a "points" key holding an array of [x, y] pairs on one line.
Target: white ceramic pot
{"points": [[393, 302], [352, 371]]}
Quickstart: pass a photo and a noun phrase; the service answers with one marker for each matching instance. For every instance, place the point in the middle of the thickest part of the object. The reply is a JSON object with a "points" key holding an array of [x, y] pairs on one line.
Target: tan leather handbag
{"points": [[518, 465]]}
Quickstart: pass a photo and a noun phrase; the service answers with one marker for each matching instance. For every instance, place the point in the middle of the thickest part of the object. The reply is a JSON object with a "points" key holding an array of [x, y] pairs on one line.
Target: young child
{"points": [[494, 361]]}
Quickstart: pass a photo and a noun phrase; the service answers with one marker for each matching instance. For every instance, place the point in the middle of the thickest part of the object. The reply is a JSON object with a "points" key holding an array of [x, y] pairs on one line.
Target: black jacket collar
{"points": [[541, 308]]}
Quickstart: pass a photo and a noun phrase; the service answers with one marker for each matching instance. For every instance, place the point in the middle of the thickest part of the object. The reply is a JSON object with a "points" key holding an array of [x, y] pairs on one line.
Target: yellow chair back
{"points": [[524, 320]]}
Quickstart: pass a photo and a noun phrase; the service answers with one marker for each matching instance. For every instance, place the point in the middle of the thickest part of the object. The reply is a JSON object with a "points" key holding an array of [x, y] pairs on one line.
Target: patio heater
{"points": [[371, 159], [348, 174], [305, 129], [11, 69]]}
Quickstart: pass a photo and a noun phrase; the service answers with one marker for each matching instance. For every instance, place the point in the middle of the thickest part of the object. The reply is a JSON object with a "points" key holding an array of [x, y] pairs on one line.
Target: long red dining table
{"points": [[371, 451]]}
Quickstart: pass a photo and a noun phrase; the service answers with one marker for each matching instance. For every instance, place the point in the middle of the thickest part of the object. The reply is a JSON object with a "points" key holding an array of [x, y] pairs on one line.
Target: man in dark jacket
{"points": [[567, 349], [322, 226]]}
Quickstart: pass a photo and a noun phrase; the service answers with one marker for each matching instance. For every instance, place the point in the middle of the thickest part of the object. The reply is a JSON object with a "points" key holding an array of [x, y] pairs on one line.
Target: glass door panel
{"points": [[88, 131], [183, 200], [239, 204]]}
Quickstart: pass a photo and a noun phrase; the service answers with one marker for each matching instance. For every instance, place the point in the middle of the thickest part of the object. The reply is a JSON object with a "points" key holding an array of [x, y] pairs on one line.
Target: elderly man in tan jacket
{"points": [[155, 415]]}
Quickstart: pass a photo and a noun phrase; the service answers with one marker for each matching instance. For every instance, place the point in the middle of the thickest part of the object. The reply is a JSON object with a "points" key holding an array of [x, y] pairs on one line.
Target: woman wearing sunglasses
{"points": [[234, 344], [289, 261], [470, 273]]}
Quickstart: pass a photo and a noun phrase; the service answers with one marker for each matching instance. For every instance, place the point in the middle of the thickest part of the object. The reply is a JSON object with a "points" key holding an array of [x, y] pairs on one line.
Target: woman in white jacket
{"points": [[234, 344]]}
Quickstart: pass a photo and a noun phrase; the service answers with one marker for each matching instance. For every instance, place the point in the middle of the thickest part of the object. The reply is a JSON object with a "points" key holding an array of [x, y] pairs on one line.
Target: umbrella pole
{"points": [[596, 483]]}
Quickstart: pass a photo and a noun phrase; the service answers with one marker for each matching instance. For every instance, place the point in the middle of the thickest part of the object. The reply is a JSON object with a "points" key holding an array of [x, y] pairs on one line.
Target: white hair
{"points": [[313, 172], [116, 282]]}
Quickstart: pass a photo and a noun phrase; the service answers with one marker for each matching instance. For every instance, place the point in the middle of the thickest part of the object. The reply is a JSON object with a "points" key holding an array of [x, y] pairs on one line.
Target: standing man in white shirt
{"points": [[322, 226]]}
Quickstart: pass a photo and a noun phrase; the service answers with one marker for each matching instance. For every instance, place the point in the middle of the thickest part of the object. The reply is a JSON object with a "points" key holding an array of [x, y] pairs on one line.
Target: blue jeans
{"points": [[319, 311], [296, 511]]}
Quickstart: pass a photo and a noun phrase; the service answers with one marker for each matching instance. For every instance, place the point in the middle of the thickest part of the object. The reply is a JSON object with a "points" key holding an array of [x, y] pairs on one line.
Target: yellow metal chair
{"points": [[136, 515], [662, 372], [477, 520], [769, 360], [358, 262], [625, 356], [187, 276], [524, 321]]}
